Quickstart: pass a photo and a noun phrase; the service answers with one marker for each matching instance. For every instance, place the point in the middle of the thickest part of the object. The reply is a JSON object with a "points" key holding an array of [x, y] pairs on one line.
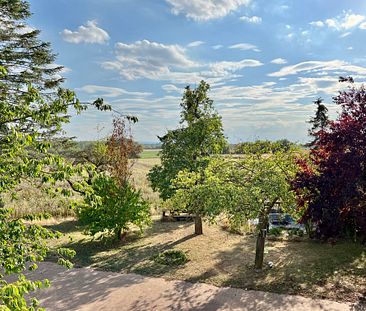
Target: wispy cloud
{"points": [[318, 66], [106, 91], [157, 61], [279, 61], [171, 88], [245, 47], [251, 19], [195, 43]]}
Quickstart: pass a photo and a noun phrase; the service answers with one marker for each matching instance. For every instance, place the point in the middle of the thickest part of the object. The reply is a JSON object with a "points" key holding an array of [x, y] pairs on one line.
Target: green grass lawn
{"points": [[308, 268], [150, 154]]}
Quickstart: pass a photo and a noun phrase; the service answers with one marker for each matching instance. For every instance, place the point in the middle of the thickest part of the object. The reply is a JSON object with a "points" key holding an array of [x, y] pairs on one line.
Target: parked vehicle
{"points": [[283, 221]]}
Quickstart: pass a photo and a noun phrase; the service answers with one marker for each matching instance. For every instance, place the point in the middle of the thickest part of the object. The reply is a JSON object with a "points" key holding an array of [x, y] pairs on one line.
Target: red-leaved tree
{"points": [[331, 184]]}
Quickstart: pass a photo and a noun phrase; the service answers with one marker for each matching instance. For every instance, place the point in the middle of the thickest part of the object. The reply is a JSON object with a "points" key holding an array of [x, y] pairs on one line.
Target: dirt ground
{"points": [[85, 289]]}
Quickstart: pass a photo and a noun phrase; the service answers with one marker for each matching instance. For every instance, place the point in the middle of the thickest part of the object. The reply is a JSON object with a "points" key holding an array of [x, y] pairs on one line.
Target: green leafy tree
{"points": [[264, 146], [31, 108], [118, 205], [188, 147], [243, 189], [24, 154], [116, 209]]}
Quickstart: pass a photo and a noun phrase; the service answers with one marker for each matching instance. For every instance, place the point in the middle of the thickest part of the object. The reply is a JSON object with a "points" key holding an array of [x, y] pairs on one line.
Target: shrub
{"points": [[276, 231], [172, 257], [117, 208], [295, 232]]}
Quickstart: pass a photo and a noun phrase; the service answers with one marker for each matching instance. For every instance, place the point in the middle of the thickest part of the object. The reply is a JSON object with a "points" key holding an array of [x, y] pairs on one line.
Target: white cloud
{"points": [[337, 66], [106, 91], [227, 66], [279, 61], [157, 61], [352, 20], [317, 24], [331, 23], [204, 10], [270, 108], [218, 46], [195, 43], [346, 34], [363, 25], [245, 47], [345, 21], [171, 88], [252, 19], [148, 59], [89, 33]]}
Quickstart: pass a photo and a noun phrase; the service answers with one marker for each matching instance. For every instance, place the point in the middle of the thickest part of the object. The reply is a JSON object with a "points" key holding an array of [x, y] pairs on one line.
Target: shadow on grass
{"points": [[310, 268], [65, 227], [139, 258], [135, 254], [157, 227]]}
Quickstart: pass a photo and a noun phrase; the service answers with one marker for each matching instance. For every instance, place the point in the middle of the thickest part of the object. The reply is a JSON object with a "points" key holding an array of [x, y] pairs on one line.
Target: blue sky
{"points": [[266, 61]]}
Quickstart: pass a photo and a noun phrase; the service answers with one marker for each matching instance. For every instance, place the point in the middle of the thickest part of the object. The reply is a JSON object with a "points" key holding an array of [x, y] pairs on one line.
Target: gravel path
{"points": [[87, 289]]}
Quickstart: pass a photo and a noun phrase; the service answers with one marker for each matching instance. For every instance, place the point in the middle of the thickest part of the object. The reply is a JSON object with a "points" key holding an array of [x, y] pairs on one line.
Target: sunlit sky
{"points": [[266, 61]]}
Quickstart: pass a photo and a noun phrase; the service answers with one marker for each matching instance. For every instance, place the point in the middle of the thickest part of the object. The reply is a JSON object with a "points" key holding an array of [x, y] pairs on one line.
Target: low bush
{"points": [[295, 232], [276, 231], [172, 257]]}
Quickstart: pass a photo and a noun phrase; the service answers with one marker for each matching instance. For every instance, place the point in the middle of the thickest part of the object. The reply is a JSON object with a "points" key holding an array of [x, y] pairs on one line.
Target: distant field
{"points": [[32, 200], [149, 153], [140, 170]]}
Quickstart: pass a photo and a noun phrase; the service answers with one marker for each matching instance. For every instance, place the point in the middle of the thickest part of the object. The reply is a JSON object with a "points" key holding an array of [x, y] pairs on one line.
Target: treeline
{"points": [[74, 149], [79, 150], [262, 146]]}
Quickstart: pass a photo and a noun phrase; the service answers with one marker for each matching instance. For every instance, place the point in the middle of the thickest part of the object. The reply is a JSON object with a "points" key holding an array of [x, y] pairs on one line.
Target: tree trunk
{"points": [[198, 225], [120, 235], [259, 250], [261, 238]]}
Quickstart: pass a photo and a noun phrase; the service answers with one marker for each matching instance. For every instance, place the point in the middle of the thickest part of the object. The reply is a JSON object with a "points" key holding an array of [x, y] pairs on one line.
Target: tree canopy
{"points": [[242, 189], [185, 148], [331, 183], [31, 108]]}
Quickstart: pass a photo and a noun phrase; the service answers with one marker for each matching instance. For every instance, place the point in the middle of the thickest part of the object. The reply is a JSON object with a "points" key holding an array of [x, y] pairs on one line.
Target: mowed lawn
{"points": [[221, 258]]}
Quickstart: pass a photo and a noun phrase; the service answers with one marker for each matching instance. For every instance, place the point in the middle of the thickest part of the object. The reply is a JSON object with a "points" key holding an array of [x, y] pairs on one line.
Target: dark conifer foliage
{"points": [[27, 59]]}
